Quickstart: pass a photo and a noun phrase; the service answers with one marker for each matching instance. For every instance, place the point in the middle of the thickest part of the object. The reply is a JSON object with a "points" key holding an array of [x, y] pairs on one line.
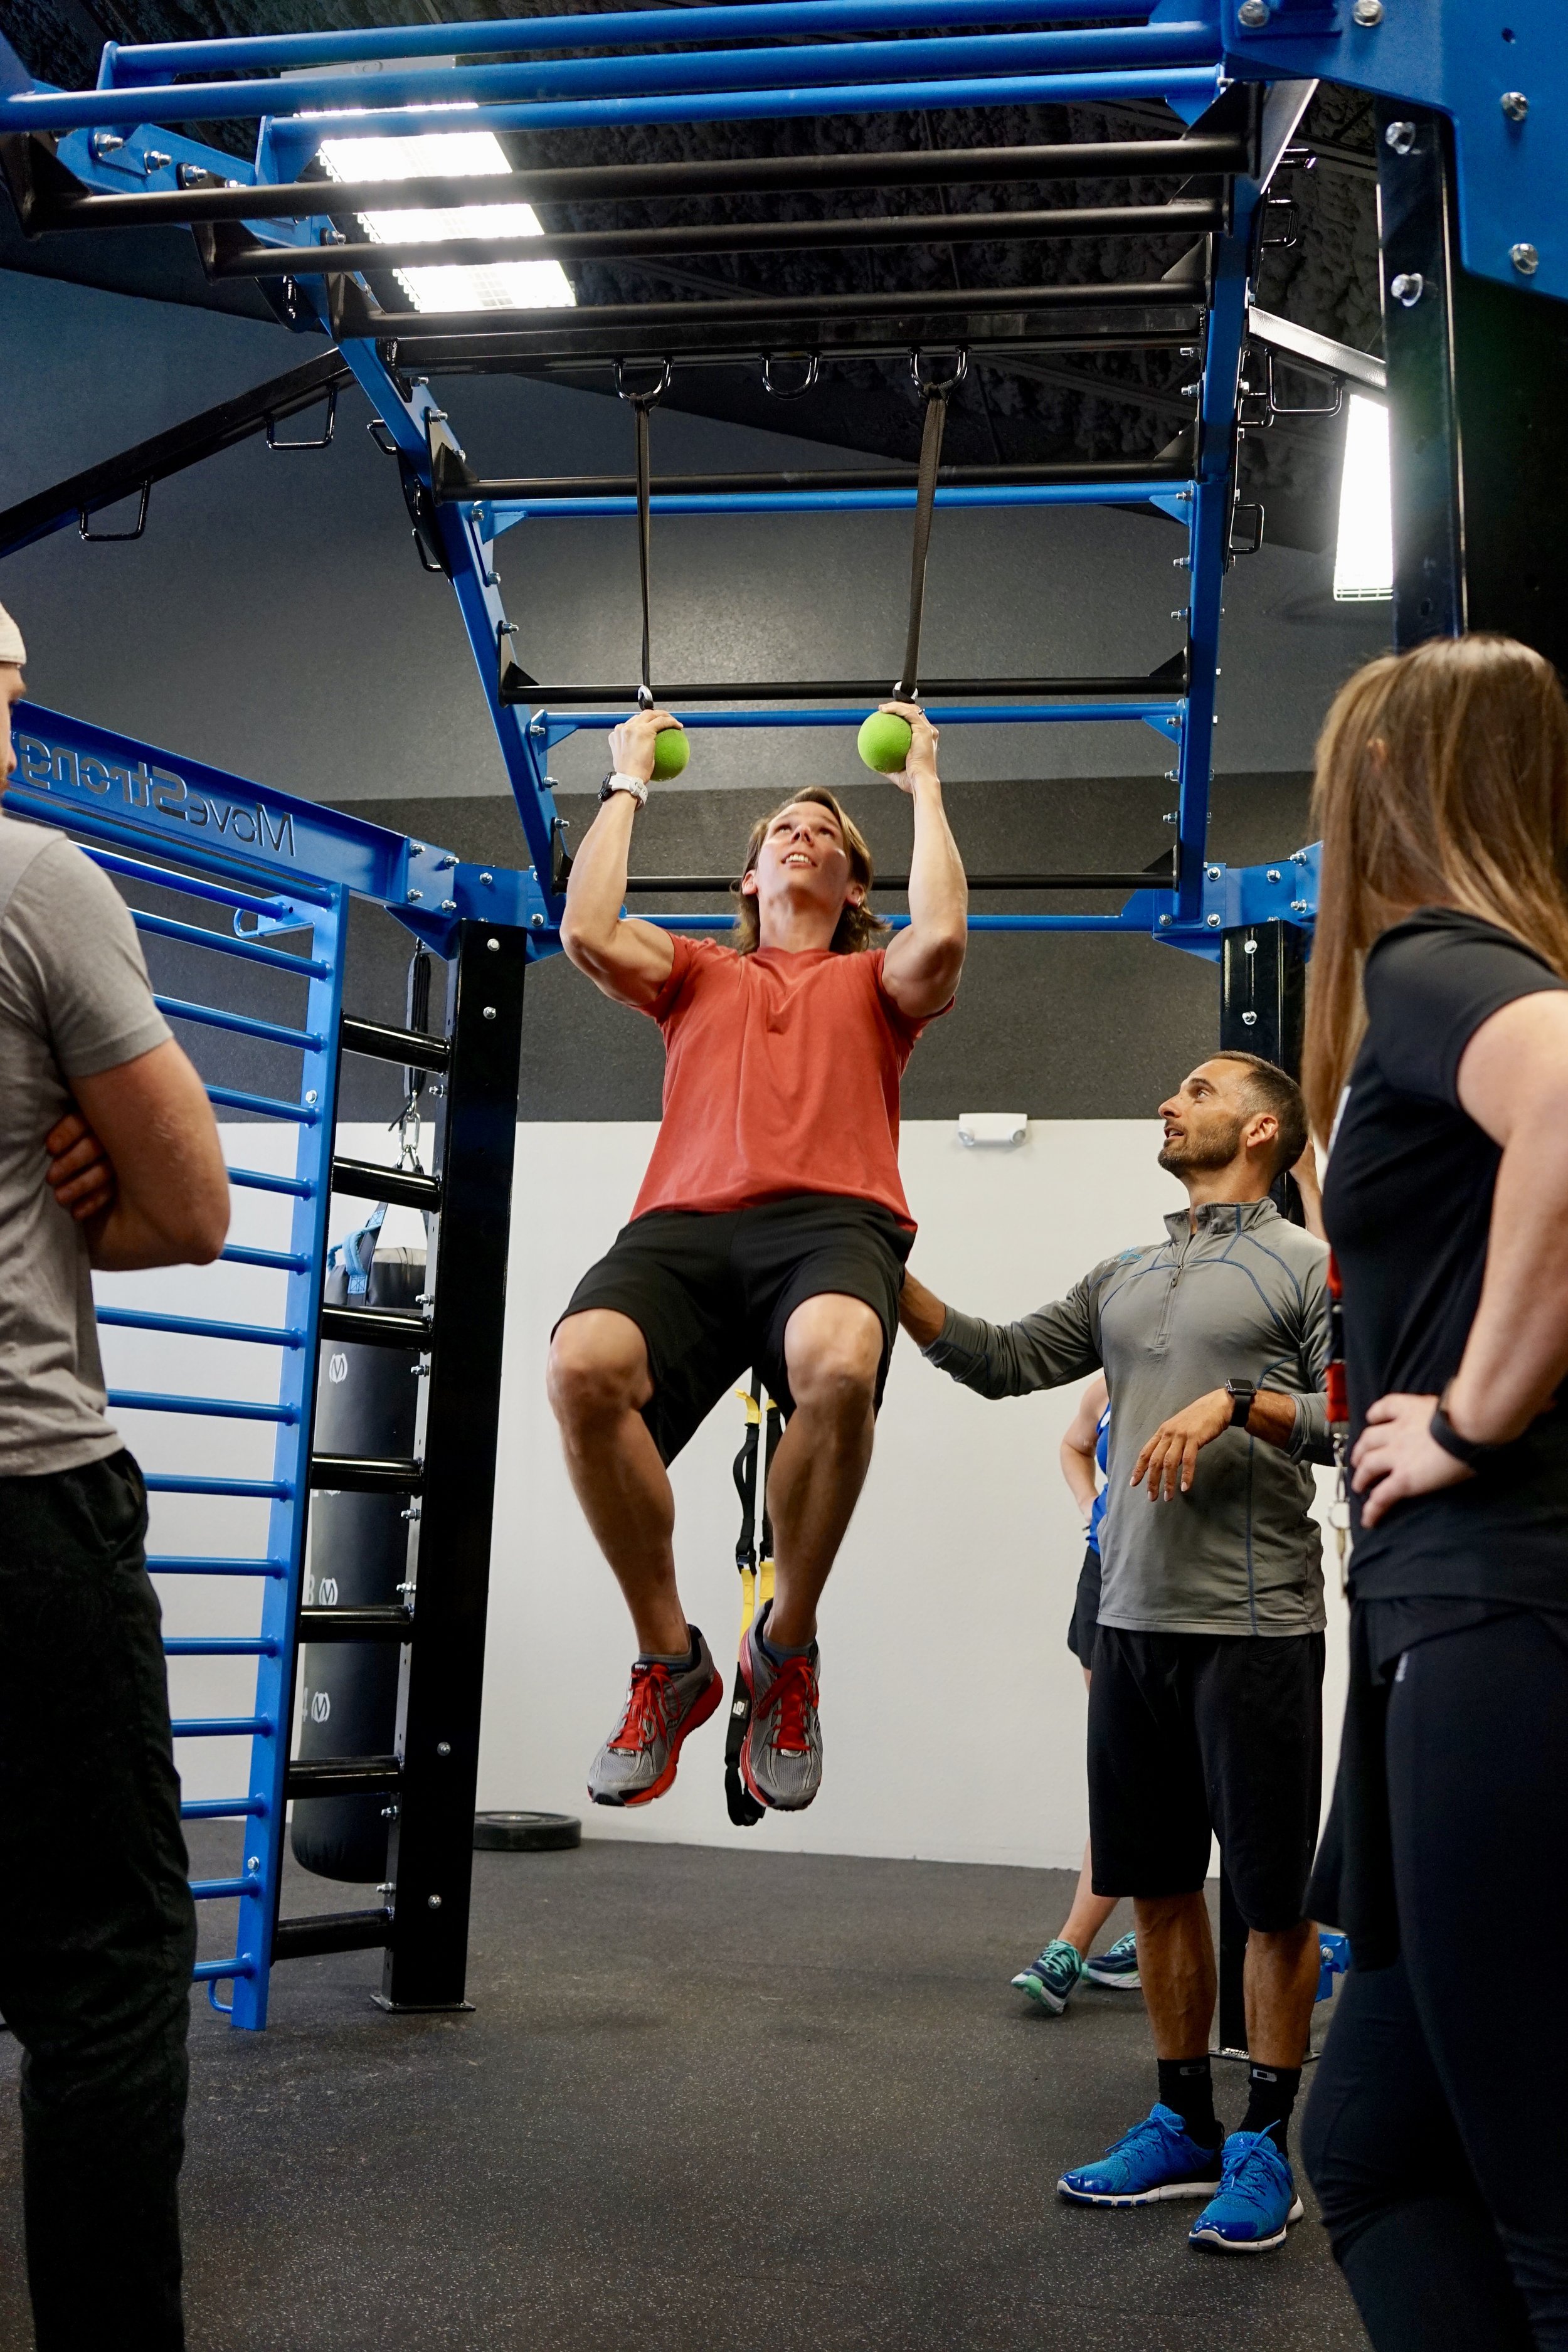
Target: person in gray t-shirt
{"points": [[108, 1157], [1205, 1714]]}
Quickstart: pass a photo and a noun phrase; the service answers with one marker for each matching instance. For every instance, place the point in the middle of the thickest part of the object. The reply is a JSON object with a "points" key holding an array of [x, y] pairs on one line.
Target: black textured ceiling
{"points": [[1053, 407]]}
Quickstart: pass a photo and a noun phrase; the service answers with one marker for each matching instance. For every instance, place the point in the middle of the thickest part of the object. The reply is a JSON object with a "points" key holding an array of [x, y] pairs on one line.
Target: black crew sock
{"points": [[681, 1662], [1271, 2095], [1186, 2084]]}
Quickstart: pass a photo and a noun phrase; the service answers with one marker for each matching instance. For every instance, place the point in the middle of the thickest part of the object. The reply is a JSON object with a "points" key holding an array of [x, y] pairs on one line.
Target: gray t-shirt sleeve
{"points": [[72, 948], [1311, 1439], [1055, 1344]]}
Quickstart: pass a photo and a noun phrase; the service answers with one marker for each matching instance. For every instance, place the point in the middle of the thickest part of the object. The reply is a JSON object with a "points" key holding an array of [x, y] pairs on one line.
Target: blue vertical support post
{"points": [[289, 1514]]}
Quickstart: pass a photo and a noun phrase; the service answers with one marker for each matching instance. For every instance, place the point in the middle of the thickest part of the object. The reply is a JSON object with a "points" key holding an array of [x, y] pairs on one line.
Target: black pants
{"points": [[97, 1925], [1434, 2135]]}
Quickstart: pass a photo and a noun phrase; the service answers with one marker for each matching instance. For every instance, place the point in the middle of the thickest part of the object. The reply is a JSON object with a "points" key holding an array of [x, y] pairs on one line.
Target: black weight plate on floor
{"points": [[526, 1832]]}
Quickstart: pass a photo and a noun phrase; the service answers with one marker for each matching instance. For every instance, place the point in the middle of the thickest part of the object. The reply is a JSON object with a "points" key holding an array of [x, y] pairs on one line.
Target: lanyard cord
{"points": [[935, 397]]}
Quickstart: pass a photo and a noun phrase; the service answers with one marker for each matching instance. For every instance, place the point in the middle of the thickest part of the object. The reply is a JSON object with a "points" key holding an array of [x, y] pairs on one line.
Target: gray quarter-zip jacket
{"points": [[1234, 1292]]}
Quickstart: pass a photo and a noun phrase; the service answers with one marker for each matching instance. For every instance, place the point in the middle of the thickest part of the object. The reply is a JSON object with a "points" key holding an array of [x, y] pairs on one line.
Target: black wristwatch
{"points": [[1241, 1393], [1471, 1451]]}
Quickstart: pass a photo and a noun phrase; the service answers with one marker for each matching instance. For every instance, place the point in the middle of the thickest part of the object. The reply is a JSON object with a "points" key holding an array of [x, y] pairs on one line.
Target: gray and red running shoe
{"points": [[781, 1758], [637, 1761]]}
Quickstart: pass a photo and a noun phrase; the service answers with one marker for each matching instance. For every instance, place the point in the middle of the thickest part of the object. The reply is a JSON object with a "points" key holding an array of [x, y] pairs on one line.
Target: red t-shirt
{"points": [[781, 1075]]}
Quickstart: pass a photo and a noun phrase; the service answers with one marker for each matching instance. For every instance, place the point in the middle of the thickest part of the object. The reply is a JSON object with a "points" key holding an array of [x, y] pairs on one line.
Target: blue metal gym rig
{"points": [[1469, 106]]}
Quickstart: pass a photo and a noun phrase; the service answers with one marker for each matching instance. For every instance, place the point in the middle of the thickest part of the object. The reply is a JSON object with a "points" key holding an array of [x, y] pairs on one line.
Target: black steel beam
{"points": [[1160, 877], [431, 1855], [376, 1327], [50, 203], [353, 316], [515, 686], [404, 1187], [331, 1931], [477, 354], [253, 258], [345, 1776], [81, 495], [368, 1624], [455, 484], [365, 1474], [382, 1043]]}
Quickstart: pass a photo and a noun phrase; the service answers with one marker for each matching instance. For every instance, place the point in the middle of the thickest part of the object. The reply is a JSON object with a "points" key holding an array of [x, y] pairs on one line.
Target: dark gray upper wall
{"points": [[274, 620]]}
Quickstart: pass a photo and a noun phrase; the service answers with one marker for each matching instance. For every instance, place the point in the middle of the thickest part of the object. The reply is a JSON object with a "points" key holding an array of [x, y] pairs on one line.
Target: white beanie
{"points": [[12, 649]]}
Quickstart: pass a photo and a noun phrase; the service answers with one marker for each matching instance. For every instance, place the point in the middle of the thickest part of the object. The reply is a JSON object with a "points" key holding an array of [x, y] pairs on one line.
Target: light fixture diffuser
{"points": [[1363, 559], [508, 285]]}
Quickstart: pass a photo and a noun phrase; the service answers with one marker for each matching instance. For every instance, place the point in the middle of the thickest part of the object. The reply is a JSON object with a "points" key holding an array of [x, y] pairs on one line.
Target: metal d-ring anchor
{"points": [[790, 391], [324, 440]]}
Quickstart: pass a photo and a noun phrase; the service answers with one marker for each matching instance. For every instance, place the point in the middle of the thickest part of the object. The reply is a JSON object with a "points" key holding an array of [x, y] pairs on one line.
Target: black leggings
{"points": [[1435, 2136]]}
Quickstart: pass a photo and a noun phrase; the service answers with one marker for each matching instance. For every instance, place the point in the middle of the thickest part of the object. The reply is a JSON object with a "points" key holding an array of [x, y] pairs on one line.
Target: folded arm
{"points": [[921, 970], [628, 961], [169, 1204]]}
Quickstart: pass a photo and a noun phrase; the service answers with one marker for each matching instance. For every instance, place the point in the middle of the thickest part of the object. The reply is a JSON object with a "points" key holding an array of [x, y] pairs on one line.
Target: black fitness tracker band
{"points": [[1241, 1393], [1471, 1451]]}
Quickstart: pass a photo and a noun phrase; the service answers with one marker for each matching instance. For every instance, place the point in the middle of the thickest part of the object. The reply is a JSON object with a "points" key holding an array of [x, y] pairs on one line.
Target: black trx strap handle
{"points": [[935, 392], [641, 402]]}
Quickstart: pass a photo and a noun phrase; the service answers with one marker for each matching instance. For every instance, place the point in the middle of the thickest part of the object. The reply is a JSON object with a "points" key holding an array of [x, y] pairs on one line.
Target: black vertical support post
{"points": [[438, 1731], [1475, 369], [1262, 1004]]}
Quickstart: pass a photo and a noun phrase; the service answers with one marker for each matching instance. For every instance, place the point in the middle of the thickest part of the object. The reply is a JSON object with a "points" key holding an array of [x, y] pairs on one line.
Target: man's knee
{"points": [[598, 1368], [833, 1349]]}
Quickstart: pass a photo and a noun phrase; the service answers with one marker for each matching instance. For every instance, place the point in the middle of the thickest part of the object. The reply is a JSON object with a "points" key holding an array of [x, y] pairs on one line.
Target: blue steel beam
{"points": [[495, 516], [128, 66], [785, 74]]}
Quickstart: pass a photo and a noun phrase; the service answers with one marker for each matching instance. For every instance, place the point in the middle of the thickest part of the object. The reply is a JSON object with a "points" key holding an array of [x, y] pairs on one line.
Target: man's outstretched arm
{"points": [[1055, 1344], [921, 970], [630, 961]]}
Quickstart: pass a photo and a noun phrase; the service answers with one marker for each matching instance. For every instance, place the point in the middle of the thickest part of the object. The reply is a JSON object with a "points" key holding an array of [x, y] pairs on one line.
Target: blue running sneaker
{"points": [[1053, 1977], [1156, 2159], [1256, 2200], [1117, 1965]]}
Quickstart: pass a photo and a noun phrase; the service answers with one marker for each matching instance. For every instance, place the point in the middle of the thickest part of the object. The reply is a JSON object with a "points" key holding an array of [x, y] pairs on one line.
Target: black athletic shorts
{"points": [[1085, 1608], [712, 1292], [1189, 1733]]}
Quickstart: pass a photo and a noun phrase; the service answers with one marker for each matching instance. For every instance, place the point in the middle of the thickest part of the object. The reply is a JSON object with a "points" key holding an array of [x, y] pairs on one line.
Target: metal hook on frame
{"points": [[811, 362], [111, 538], [938, 387], [325, 440]]}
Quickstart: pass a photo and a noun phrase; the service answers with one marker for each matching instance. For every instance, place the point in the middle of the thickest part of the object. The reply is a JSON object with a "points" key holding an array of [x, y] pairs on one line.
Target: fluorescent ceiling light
{"points": [[451, 286], [1364, 559]]}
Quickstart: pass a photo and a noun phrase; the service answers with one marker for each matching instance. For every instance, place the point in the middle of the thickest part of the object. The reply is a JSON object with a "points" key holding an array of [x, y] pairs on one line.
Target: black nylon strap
{"points": [[909, 685], [645, 691]]}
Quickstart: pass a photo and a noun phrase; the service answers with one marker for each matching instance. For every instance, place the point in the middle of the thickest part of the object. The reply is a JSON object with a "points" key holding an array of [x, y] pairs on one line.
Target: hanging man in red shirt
{"points": [[770, 1230]]}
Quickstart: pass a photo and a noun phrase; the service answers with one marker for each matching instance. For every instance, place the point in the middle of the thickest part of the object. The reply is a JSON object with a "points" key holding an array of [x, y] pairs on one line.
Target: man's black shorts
{"points": [[712, 1292], [1189, 1733]]}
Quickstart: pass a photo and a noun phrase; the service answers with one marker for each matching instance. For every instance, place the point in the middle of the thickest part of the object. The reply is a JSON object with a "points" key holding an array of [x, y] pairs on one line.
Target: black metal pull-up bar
{"points": [[50, 198], [997, 226]]}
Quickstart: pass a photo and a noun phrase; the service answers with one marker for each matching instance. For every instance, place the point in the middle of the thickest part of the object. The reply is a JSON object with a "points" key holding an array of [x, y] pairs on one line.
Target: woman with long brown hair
{"points": [[1436, 1061]]}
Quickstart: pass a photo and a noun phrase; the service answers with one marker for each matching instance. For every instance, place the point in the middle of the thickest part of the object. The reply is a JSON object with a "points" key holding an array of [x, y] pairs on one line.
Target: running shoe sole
{"points": [[1038, 1991], [1210, 2241], [1162, 2196], [1113, 1984], [697, 1714]]}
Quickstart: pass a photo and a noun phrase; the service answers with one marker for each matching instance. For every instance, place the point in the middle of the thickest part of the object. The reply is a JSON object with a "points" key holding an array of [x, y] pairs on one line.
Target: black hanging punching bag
{"points": [[367, 1401]]}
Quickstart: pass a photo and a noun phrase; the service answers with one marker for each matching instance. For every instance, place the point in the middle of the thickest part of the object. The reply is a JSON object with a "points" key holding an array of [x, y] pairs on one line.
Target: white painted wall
{"points": [[954, 1712]]}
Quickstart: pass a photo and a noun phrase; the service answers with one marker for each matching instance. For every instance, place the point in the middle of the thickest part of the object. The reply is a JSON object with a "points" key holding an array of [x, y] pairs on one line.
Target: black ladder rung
{"points": [[369, 1625], [376, 1327], [385, 1044], [343, 1776], [405, 1187], [331, 1931], [365, 1473]]}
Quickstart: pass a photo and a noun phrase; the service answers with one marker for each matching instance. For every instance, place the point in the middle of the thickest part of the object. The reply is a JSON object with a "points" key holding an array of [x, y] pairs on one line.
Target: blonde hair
{"points": [[857, 927], [1441, 781]]}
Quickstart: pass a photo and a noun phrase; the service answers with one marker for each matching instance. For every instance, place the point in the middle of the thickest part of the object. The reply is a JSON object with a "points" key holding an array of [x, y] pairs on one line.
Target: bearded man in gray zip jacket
{"points": [[1206, 1711]]}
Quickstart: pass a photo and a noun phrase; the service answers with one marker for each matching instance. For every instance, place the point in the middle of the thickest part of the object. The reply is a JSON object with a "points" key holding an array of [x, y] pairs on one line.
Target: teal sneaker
{"points": [[1256, 2200], [1116, 1966], [1053, 1978], [1156, 2159]]}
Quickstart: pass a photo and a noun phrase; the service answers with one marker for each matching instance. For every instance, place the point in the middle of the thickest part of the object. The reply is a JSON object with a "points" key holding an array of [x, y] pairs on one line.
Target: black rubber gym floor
{"points": [[706, 2102]]}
